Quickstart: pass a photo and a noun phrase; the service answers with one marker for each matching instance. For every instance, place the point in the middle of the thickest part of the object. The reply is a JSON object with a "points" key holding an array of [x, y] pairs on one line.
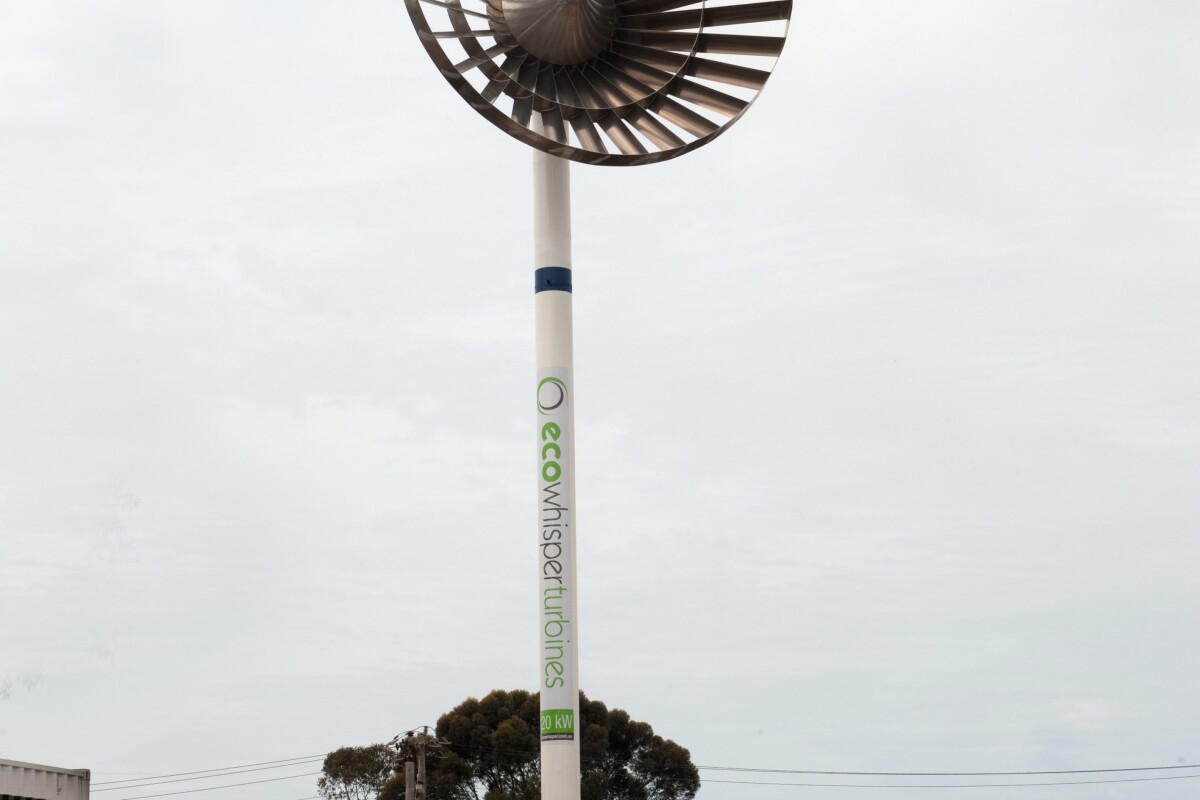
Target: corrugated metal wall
{"points": [[39, 782]]}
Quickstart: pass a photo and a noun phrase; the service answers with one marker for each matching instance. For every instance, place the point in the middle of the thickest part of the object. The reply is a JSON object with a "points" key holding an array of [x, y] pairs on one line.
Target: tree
{"points": [[493, 750], [623, 759], [355, 773]]}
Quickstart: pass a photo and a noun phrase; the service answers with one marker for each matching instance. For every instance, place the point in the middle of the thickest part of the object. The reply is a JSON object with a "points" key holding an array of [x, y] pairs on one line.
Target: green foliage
{"points": [[492, 752], [393, 787], [355, 773], [623, 759]]}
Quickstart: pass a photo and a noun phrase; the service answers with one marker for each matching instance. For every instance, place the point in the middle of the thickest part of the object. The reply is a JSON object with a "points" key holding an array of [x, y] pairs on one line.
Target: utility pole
{"points": [[420, 745], [414, 745]]}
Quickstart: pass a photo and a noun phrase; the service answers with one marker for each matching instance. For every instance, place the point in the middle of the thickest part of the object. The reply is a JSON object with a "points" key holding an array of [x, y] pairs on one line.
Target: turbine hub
{"points": [[561, 31]]}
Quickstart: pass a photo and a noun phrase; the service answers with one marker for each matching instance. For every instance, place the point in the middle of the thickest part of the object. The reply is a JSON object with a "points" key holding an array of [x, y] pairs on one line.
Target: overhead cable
{"points": [[946, 774], [223, 786], [218, 772], [214, 769], [215, 774], [959, 785], [517, 752]]}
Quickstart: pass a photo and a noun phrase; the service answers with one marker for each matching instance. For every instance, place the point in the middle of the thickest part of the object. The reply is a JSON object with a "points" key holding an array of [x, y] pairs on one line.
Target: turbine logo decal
{"points": [[556, 557], [551, 394]]}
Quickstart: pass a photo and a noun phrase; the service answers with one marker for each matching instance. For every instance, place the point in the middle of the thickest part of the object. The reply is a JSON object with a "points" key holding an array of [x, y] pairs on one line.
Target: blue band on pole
{"points": [[551, 279]]}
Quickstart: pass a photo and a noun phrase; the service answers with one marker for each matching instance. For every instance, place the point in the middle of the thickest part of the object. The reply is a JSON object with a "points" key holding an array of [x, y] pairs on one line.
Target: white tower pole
{"points": [[558, 639]]}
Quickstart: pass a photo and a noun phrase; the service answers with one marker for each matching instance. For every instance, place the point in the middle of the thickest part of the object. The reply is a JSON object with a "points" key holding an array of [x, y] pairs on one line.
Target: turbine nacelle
{"points": [[561, 32]]}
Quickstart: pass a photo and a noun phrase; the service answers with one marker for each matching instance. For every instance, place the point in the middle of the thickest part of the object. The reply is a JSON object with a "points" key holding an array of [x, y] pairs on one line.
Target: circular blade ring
{"points": [[615, 82]]}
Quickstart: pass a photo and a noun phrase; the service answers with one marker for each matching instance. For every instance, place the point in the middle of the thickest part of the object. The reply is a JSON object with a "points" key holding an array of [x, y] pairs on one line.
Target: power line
{"points": [[223, 786], [772, 783], [237, 769], [947, 774], [214, 769], [132, 784], [847, 773], [960, 785]]}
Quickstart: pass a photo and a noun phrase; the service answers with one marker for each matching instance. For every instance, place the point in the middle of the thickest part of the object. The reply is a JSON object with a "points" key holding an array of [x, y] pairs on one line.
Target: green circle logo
{"points": [[551, 395]]}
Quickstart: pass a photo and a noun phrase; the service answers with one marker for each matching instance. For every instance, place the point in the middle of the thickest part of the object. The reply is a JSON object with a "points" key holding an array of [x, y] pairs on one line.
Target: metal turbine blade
{"points": [[617, 82]]}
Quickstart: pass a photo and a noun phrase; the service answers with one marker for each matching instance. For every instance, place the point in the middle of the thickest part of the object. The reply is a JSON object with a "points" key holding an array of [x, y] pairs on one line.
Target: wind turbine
{"points": [[612, 82]]}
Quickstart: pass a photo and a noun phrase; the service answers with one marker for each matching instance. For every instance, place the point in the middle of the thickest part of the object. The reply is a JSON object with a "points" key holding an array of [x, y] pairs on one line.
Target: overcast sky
{"points": [[888, 400]]}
